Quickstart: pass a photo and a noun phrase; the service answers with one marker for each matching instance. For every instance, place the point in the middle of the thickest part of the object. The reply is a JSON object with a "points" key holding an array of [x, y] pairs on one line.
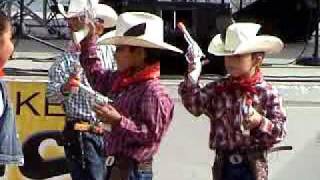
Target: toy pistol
{"points": [[192, 43]]}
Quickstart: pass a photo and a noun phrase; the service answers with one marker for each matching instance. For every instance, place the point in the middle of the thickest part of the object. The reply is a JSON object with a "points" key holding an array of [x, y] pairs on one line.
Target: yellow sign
{"points": [[39, 126]]}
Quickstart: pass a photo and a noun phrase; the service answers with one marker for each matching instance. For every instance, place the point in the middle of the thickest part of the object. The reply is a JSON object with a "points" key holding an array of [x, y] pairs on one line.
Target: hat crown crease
{"points": [[153, 26]]}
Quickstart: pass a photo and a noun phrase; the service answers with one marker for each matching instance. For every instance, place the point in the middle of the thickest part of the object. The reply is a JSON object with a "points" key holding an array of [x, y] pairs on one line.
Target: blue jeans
{"points": [[240, 171], [140, 175], [90, 165]]}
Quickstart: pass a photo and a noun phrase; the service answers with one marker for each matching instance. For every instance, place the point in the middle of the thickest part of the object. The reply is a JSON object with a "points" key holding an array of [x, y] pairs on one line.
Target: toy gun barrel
{"points": [[186, 34], [99, 98], [192, 42]]}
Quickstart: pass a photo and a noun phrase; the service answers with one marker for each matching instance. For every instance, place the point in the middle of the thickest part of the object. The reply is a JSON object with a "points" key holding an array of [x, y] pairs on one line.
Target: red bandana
{"points": [[245, 85], [124, 79], [2, 73]]}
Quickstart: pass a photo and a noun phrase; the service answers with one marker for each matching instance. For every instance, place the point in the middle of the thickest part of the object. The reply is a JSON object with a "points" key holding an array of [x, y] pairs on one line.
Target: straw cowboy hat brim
{"points": [[138, 41], [263, 43]]}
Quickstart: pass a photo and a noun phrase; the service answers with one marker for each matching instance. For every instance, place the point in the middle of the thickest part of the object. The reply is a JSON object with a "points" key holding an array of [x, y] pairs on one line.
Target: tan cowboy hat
{"points": [[139, 29], [241, 38]]}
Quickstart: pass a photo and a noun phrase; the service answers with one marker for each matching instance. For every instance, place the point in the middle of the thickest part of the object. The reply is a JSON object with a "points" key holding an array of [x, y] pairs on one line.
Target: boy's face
{"points": [[129, 57], [243, 64], [6, 46]]}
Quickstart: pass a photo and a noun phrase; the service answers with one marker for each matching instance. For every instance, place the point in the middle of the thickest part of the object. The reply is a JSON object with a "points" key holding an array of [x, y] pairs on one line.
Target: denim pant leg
{"points": [[94, 157], [135, 174], [94, 166], [73, 160], [237, 172]]}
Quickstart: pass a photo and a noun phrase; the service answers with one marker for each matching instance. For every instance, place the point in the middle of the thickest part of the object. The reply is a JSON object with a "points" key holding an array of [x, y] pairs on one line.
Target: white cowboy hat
{"points": [[102, 11], [139, 29], [241, 38], [107, 14], [76, 7]]}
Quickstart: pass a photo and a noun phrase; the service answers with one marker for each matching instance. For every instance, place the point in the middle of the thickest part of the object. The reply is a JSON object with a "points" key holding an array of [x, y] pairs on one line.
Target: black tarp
{"points": [[292, 20]]}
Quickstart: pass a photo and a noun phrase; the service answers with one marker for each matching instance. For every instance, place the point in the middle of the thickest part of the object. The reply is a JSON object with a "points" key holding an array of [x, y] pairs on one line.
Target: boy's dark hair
{"points": [[4, 22]]}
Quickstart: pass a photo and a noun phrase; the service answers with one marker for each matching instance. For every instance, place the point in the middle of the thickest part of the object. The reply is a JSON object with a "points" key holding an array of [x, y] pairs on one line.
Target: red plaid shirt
{"points": [[224, 110], [146, 108]]}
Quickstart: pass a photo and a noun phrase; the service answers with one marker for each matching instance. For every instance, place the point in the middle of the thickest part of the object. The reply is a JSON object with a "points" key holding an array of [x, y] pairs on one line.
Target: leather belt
{"points": [[237, 156], [85, 126]]}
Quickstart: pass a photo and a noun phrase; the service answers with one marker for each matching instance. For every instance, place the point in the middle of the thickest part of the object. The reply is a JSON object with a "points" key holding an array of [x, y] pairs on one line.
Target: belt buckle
{"points": [[235, 159], [110, 160]]}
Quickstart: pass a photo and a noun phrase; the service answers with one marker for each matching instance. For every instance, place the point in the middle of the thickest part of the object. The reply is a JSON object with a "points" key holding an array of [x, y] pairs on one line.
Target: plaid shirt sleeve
{"points": [[99, 78], [273, 126], [153, 119], [57, 77], [194, 98], [106, 54]]}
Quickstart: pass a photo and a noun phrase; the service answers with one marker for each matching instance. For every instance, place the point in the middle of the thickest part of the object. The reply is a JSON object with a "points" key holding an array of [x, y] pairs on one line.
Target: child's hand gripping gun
{"points": [[193, 56], [95, 97], [98, 99]]}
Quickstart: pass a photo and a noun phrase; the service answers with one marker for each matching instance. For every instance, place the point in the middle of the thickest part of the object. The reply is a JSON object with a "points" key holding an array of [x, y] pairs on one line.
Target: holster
{"points": [[71, 138]]}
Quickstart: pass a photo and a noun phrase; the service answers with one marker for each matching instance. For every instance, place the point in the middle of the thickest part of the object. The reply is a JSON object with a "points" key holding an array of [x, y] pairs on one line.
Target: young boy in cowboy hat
{"points": [[246, 113], [84, 150], [141, 110]]}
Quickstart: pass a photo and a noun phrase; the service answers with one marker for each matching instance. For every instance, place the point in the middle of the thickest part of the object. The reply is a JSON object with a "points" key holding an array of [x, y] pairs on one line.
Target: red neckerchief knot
{"points": [[246, 86]]}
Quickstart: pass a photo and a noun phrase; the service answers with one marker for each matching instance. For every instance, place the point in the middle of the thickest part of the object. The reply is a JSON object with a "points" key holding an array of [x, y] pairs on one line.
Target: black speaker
{"points": [[311, 4]]}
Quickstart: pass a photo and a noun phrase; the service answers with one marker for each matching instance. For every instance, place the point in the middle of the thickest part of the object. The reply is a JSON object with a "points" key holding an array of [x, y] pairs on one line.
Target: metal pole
{"points": [[316, 53], [45, 10], [174, 19], [20, 29]]}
